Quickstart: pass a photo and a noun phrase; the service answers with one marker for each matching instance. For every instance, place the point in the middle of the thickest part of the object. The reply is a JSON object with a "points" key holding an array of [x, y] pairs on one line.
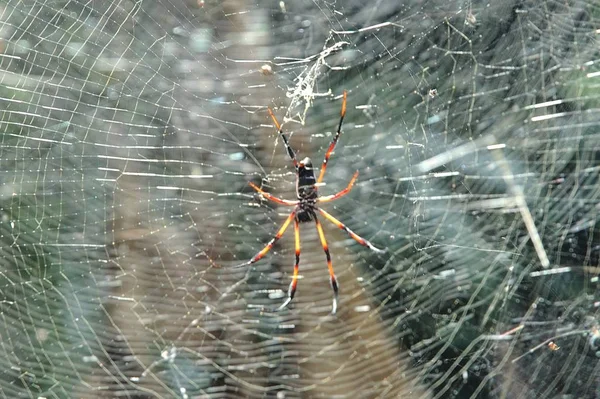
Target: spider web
{"points": [[130, 131]]}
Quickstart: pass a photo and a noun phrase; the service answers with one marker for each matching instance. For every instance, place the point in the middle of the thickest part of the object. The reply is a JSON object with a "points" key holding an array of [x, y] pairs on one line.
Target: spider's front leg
{"points": [[335, 139], [288, 148], [341, 193]]}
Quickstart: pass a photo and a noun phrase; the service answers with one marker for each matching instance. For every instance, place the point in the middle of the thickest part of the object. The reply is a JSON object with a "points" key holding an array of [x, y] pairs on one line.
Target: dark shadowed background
{"points": [[131, 129]]}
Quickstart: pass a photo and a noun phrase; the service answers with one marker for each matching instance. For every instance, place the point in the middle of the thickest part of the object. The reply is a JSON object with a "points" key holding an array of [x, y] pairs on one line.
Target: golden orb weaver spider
{"points": [[305, 208]]}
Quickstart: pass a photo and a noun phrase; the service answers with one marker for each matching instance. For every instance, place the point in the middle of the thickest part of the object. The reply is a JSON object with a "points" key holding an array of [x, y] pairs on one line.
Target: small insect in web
{"points": [[306, 209]]}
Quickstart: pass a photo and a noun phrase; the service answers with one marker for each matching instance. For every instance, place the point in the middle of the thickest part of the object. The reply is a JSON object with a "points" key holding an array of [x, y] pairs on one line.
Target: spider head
{"points": [[306, 163], [305, 171]]}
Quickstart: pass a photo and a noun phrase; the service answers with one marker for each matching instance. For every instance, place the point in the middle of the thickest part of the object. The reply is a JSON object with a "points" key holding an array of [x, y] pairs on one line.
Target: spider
{"points": [[306, 209]]}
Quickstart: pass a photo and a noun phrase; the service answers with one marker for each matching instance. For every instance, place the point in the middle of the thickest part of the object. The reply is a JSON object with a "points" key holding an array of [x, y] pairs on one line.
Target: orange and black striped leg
{"points": [[352, 234], [294, 283], [341, 193], [266, 249], [289, 149], [272, 197], [334, 141], [332, 279]]}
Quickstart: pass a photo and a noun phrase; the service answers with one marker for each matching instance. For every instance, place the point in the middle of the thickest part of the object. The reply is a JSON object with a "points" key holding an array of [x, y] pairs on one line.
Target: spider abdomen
{"points": [[305, 212]]}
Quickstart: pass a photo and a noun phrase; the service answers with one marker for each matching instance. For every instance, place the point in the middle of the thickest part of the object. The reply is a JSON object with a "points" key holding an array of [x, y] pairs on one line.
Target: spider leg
{"points": [[268, 247], [334, 141], [294, 283], [341, 193], [289, 149], [271, 197], [332, 279], [352, 234]]}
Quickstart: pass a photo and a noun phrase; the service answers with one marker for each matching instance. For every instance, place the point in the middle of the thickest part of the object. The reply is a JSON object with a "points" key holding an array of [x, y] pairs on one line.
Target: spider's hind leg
{"points": [[332, 279], [352, 234], [294, 283], [268, 247]]}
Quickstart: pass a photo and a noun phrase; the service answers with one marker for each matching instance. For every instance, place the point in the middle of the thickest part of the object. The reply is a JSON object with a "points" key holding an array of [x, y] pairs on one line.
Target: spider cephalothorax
{"points": [[306, 209]]}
